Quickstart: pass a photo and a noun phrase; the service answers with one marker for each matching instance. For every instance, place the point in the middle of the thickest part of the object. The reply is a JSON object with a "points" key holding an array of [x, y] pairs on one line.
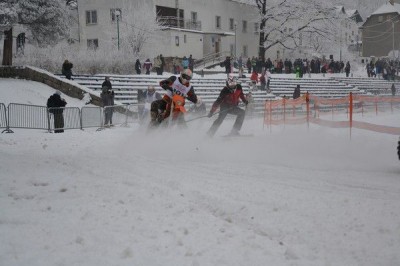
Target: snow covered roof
{"points": [[387, 8]]}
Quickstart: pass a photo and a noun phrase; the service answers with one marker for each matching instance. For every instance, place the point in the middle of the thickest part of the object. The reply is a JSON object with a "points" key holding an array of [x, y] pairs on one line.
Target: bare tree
{"points": [[138, 25], [286, 22]]}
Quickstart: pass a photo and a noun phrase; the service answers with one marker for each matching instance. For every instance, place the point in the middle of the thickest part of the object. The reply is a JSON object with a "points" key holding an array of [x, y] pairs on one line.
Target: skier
{"points": [[228, 101], [175, 86]]}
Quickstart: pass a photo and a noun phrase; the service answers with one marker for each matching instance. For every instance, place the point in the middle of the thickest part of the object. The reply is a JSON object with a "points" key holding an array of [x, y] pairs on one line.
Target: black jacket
{"points": [[56, 101]]}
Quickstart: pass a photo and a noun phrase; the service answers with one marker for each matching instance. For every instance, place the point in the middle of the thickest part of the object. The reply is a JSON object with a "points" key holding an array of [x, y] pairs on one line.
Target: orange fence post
{"points": [[308, 108], [351, 111], [284, 110]]}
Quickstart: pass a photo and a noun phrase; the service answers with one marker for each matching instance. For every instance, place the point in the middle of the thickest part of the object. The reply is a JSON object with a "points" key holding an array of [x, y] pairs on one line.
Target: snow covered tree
{"points": [[138, 25], [285, 23], [46, 20]]}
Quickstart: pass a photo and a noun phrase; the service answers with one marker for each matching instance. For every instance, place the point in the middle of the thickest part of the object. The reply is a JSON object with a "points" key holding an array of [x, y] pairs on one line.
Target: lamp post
{"points": [[235, 26], [118, 15], [393, 38]]}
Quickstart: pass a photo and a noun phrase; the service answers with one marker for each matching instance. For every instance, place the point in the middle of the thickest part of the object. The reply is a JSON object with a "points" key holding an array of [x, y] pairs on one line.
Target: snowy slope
{"points": [[291, 195]]}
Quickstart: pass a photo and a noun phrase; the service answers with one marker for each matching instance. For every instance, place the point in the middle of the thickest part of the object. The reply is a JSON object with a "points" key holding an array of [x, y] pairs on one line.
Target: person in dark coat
{"points": [[67, 69], [228, 101], [138, 67], [296, 93], [347, 69], [107, 97], [55, 106], [107, 83]]}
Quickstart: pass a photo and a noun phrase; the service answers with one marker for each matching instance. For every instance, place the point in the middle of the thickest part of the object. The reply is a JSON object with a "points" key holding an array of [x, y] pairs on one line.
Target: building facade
{"points": [[381, 32], [189, 27]]}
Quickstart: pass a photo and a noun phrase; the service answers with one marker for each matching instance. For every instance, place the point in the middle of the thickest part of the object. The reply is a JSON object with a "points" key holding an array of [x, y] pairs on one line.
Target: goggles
{"points": [[184, 76]]}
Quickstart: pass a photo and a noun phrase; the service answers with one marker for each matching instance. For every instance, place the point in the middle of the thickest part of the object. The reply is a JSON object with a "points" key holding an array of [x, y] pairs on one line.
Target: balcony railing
{"points": [[175, 22]]}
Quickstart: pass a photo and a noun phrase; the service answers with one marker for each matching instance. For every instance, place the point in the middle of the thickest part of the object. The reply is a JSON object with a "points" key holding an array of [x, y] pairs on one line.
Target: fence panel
{"points": [[27, 116], [71, 117], [120, 114], [92, 117], [3, 116]]}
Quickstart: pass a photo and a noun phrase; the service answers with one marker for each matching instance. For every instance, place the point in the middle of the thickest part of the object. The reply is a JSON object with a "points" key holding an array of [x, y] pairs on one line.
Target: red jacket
{"points": [[229, 97]]}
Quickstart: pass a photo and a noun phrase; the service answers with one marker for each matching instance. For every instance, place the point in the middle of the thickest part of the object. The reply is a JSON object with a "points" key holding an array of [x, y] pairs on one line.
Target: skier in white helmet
{"points": [[228, 101]]}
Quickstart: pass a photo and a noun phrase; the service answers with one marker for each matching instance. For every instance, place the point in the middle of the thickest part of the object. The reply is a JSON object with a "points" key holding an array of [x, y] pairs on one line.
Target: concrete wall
{"points": [[48, 79]]}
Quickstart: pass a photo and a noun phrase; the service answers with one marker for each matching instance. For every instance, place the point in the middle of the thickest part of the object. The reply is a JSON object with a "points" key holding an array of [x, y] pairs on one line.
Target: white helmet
{"points": [[231, 81], [186, 75]]}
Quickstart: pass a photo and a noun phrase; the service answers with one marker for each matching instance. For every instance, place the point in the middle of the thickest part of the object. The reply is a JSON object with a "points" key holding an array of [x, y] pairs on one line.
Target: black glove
{"points": [[210, 114], [166, 87], [160, 117]]}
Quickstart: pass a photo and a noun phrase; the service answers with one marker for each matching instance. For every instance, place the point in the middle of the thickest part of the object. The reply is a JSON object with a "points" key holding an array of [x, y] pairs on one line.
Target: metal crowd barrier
{"points": [[3, 118], [27, 116], [41, 117]]}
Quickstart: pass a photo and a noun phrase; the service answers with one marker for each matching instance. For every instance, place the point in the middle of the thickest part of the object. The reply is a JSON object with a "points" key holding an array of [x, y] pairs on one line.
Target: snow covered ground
{"points": [[291, 195]]}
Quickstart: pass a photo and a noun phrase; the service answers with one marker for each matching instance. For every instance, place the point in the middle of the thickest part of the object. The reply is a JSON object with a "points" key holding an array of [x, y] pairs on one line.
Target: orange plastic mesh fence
{"points": [[313, 109]]}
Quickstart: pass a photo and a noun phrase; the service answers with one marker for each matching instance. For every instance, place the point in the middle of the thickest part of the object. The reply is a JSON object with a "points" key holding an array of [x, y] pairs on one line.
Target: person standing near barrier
{"points": [[56, 104], [228, 101], [107, 97]]}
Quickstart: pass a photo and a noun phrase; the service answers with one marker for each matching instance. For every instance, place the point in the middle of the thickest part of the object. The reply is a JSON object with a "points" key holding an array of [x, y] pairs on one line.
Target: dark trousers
{"points": [[58, 123], [224, 111]]}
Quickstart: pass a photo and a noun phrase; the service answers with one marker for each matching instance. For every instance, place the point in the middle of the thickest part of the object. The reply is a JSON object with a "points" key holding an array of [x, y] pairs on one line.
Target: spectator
{"points": [[67, 69], [393, 89], [263, 81], [157, 65], [56, 104], [138, 67], [176, 65], [191, 63], [185, 62], [162, 64], [254, 79], [227, 64], [248, 65], [268, 79], [296, 93], [107, 83], [147, 65], [107, 97], [347, 69]]}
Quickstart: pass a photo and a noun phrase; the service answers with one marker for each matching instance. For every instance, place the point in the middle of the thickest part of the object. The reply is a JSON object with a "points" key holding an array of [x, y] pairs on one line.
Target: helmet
{"points": [[231, 81], [186, 75]]}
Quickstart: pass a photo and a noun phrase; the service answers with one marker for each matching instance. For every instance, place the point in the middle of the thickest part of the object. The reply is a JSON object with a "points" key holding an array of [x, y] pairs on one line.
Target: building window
{"points": [[177, 40], [380, 18], [114, 13], [193, 16], [231, 24], [232, 49], [91, 17], [184, 38], [245, 51], [244, 26], [93, 44], [218, 22], [256, 28]]}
